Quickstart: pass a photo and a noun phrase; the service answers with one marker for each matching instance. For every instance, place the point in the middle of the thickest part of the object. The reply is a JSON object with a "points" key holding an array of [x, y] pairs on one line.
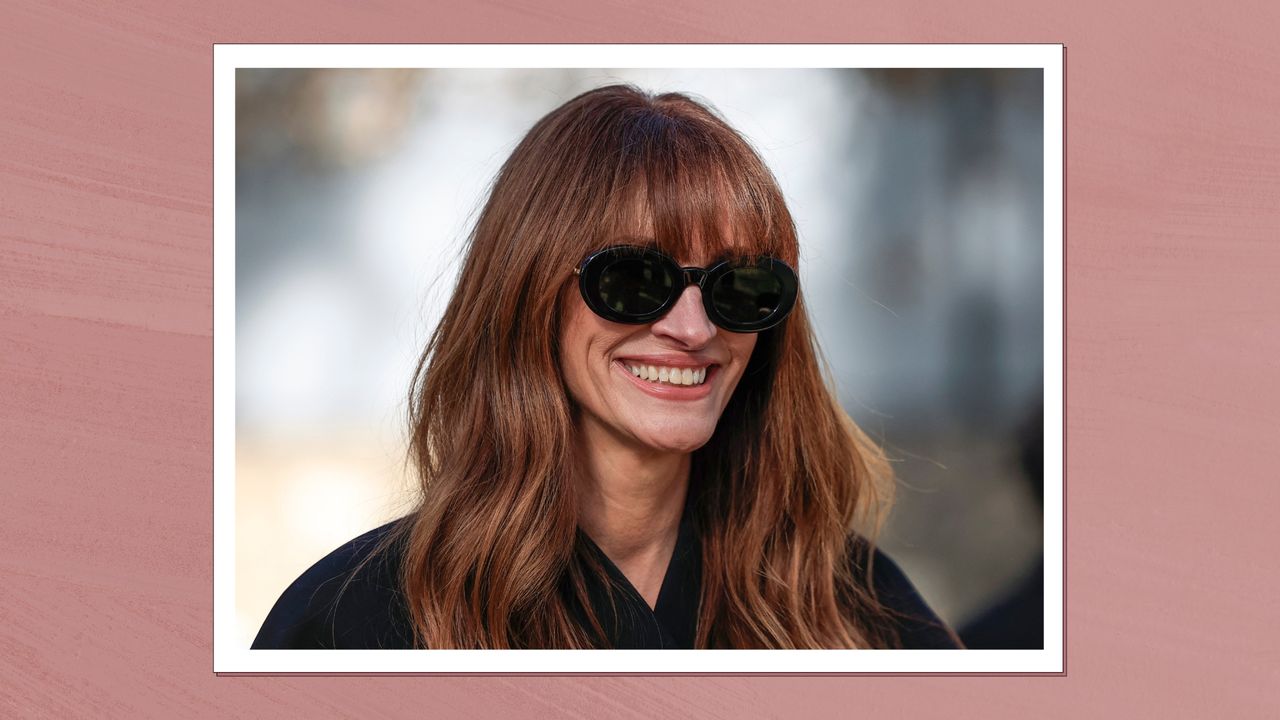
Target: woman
{"points": [[622, 431]]}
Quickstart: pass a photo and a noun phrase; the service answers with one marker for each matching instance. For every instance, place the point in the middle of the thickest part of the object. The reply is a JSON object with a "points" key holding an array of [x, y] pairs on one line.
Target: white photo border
{"points": [[229, 656]]}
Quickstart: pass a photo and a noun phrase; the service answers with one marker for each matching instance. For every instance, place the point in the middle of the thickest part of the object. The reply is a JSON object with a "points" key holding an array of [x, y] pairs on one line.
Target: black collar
{"points": [[350, 599], [627, 618]]}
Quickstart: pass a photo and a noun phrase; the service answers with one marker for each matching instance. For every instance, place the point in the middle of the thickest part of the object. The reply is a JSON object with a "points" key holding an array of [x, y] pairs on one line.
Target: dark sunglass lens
{"points": [[747, 295], [635, 285]]}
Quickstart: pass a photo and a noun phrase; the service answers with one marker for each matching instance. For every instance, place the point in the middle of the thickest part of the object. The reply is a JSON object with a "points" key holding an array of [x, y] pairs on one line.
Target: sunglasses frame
{"points": [[591, 268]]}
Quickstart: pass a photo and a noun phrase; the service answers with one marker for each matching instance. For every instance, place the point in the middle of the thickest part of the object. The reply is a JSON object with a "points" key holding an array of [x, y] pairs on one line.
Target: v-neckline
{"points": [[672, 620]]}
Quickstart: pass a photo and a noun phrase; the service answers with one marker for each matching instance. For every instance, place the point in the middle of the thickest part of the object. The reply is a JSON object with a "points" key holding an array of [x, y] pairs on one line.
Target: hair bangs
{"points": [[695, 190]]}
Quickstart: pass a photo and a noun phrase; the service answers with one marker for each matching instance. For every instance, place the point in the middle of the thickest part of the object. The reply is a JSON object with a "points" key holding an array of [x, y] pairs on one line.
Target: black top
{"points": [[329, 607]]}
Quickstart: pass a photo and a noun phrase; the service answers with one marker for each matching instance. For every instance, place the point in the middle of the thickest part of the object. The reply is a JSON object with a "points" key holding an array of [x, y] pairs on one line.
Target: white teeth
{"points": [[674, 376]]}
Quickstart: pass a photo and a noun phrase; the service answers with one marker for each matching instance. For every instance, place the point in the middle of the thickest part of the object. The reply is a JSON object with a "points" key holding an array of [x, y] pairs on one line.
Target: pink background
{"points": [[106, 359]]}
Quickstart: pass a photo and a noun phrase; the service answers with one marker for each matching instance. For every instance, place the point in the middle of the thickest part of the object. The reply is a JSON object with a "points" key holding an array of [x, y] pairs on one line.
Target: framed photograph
{"points": [[578, 358]]}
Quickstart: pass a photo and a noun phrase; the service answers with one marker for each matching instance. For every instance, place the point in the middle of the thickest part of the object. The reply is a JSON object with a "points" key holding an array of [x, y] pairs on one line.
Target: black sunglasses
{"points": [[629, 284]]}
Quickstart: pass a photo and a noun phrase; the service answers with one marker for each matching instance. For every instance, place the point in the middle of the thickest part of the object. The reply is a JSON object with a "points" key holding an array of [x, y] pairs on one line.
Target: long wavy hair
{"points": [[493, 557]]}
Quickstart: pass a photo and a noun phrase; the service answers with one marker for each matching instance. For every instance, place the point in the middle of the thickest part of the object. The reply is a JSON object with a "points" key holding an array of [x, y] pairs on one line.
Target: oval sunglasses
{"points": [[635, 285]]}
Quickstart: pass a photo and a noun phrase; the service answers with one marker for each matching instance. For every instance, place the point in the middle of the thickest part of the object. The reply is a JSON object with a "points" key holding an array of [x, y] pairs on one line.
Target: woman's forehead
{"points": [[694, 227], [692, 239], [691, 251]]}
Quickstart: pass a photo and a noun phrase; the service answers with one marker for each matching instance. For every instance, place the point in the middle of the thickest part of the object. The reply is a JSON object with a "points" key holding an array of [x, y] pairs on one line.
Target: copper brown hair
{"points": [[493, 557]]}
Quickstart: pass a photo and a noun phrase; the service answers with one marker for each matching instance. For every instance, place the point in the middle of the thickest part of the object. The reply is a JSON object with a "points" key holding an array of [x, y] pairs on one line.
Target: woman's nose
{"points": [[687, 323]]}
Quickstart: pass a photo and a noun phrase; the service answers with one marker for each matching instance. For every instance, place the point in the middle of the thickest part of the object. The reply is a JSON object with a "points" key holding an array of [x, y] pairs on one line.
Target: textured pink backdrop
{"points": [[106, 371]]}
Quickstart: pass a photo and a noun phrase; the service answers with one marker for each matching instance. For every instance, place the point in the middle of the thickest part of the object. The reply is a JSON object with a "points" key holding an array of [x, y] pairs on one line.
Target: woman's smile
{"points": [[669, 377], [672, 375]]}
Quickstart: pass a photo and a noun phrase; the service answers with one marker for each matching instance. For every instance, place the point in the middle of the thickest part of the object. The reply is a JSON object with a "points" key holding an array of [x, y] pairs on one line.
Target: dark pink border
{"points": [[105, 417]]}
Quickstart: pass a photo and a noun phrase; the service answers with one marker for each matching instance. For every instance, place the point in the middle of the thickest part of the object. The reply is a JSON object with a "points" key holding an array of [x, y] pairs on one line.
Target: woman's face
{"points": [[600, 360]]}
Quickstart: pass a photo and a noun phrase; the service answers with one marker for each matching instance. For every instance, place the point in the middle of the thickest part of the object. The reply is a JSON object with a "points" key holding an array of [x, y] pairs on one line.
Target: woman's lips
{"points": [[666, 391]]}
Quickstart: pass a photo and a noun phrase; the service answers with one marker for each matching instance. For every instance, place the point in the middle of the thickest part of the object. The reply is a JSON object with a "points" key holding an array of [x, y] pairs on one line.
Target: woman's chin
{"points": [[675, 440]]}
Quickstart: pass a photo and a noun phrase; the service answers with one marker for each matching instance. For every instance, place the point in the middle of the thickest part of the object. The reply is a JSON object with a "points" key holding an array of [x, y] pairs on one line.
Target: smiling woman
{"points": [[621, 428]]}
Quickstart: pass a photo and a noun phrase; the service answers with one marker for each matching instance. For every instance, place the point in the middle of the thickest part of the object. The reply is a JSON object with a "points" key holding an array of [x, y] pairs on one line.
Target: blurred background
{"points": [[919, 199]]}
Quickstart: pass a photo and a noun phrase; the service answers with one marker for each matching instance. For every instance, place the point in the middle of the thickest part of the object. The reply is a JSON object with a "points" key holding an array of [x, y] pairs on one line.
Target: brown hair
{"points": [[493, 557]]}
